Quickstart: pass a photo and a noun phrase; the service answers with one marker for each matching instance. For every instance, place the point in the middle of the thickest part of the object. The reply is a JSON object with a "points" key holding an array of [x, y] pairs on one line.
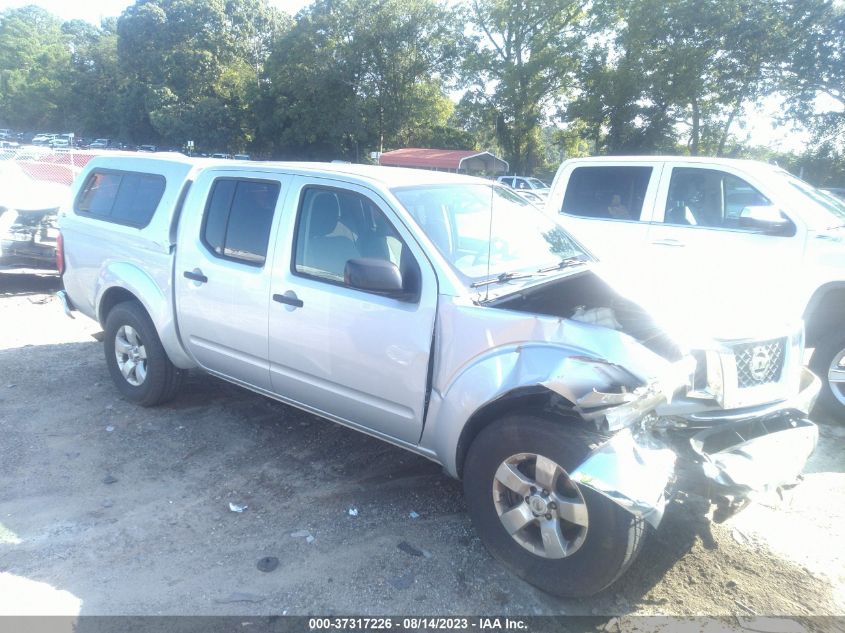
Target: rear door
{"points": [[355, 356], [223, 272], [608, 206]]}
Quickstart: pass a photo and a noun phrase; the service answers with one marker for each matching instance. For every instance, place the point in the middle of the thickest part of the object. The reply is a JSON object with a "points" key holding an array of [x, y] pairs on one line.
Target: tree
{"points": [[191, 68], [34, 65], [93, 97], [526, 59], [356, 74], [679, 68], [815, 74]]}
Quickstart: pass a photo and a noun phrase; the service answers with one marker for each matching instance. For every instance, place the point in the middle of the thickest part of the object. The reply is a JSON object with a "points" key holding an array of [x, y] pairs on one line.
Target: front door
{"points": [[355, 356]]}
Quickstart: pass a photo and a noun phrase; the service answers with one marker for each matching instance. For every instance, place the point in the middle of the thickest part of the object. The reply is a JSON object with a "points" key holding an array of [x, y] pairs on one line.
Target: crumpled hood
{"points": [[695, 312]]}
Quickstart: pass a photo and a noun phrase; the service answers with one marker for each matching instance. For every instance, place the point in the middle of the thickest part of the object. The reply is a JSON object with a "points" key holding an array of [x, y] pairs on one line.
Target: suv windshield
{"points": [[487, 230], [536, 183]]}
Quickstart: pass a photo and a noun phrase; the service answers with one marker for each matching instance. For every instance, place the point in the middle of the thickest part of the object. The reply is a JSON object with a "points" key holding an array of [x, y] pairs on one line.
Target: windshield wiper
{"points": [[500, 279], [564, 263]]}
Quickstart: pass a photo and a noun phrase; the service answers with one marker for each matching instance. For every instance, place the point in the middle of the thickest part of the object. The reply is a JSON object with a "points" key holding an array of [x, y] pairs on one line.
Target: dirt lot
{"points": [[107, 508]]}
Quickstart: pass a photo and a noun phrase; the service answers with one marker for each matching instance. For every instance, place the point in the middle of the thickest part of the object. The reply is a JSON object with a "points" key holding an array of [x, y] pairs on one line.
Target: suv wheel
{"points": [[828, 363], [564, 538], [136, 358]]}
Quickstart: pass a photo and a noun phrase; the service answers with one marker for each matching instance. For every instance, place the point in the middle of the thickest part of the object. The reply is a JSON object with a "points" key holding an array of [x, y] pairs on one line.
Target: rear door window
{"points": [[238, 218], [610, 193], [122, 197]]}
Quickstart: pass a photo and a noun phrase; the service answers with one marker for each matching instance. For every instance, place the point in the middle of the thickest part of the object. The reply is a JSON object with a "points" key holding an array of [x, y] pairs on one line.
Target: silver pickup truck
{"points": [[443, 314]]}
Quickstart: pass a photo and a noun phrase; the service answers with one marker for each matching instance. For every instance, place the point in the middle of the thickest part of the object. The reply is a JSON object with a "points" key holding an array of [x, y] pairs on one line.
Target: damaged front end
{"points": [[732, 414]]}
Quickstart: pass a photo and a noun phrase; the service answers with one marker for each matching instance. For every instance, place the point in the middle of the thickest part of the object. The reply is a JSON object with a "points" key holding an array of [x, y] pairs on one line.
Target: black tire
{"points": [[829, 347], [613, 537], [162, 379]]}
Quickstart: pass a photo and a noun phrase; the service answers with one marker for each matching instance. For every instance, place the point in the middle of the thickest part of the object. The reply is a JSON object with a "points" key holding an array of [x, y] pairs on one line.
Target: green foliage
{"points": [[542, 80], [359, 74], [34, 63], [526, 58]]}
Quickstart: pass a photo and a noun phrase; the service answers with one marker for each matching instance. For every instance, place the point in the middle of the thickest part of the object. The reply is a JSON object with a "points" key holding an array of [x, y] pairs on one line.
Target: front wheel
{"points": [[828, 363], [136, 359], [562, 537]]}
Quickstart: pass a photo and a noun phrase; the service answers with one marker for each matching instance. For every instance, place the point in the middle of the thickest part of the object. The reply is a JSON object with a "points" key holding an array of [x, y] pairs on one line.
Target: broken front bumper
{"points": [[735, 454]]}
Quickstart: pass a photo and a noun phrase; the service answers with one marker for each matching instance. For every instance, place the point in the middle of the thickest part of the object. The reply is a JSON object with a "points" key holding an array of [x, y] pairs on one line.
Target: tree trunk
{"points": [[696, 129]]}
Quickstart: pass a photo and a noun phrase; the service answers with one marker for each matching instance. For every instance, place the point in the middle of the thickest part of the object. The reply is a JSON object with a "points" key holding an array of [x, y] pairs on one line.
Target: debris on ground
{"points": [[414, 515], [403, 581], [109, 479], [234, 507], [267, 564], [238, 596], [406, 547], [353, 511], [309, 538], [109, 428]]}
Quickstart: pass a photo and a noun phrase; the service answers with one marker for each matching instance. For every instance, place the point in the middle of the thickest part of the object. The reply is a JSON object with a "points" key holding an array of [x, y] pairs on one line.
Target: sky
{"points": [[759, 122]]}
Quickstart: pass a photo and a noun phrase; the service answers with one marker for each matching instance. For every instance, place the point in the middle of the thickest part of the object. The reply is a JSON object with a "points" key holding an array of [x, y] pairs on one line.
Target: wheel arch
{"points": [[824, 311], [534, 399], [122, 281]]}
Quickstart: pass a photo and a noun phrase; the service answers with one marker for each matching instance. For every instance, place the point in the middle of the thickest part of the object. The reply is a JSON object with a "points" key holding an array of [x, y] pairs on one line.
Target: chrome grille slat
{"points": [[759, 363]]}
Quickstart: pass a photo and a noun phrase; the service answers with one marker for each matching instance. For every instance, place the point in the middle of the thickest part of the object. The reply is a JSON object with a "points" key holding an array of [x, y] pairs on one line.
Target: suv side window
{"points": [[334, 226], [615, 193], [709, 198], [238, 218], [123, 197]]}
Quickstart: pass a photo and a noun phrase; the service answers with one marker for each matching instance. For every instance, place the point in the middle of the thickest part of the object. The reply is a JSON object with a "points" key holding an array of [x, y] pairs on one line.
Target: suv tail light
{"points": [[60, 254]]}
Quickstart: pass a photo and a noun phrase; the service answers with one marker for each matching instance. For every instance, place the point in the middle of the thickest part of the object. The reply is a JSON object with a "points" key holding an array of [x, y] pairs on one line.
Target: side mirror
{"points": [[373, 275], [767, 219]]}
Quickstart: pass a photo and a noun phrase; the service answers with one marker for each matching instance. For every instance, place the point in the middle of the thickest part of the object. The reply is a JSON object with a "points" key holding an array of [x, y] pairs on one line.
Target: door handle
{"points": [[289, 298], [669, 242], [195, 275]]}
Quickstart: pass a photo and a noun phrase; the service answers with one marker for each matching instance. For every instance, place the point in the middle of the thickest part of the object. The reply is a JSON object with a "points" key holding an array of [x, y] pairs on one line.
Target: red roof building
{"points": [[455, 160]]}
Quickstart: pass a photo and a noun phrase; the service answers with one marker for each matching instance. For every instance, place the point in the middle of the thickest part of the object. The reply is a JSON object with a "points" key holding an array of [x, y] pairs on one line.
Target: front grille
{"points": [[759, 363]]}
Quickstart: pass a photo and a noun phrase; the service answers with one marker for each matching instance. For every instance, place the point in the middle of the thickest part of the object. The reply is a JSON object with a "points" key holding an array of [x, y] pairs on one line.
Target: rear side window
{"points": [[121, 196], [238, 218], [610, 193]]}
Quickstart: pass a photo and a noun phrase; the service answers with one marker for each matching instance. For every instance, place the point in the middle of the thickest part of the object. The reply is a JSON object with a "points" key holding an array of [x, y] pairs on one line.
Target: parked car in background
{"points": [[221, 155], [839, 192], [28, 208], [718, 231], [445, 315], [43, 139], [523, 183], [147, 148], [241, 157], [100, 143]]}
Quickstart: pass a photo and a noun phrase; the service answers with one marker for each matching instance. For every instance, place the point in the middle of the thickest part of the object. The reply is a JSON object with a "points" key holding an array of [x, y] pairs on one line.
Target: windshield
{"points": [[821, 210], [536, 183], [474, 225]]}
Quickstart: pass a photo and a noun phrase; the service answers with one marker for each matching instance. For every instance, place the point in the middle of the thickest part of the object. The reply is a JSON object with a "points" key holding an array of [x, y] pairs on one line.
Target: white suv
{"points": [[718, 231]]}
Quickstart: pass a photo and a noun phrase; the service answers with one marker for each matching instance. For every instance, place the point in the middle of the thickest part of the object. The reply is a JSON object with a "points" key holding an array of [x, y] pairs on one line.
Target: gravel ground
{"points": [[108, 508]]}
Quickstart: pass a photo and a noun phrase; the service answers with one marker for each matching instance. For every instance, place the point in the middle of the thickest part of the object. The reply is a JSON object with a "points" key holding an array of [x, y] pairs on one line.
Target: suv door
{"points": [[358, 357], [608, 206], [700, 236], [222, 275]]}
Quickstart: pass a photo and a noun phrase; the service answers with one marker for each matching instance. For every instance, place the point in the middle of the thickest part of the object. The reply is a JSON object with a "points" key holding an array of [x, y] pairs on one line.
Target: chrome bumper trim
{"points": [[810, 386]]}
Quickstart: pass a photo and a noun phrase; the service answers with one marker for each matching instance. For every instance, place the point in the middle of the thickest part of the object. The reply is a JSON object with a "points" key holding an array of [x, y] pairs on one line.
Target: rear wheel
{"points": [[136, 359], [828, 363], [560, 536]]}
